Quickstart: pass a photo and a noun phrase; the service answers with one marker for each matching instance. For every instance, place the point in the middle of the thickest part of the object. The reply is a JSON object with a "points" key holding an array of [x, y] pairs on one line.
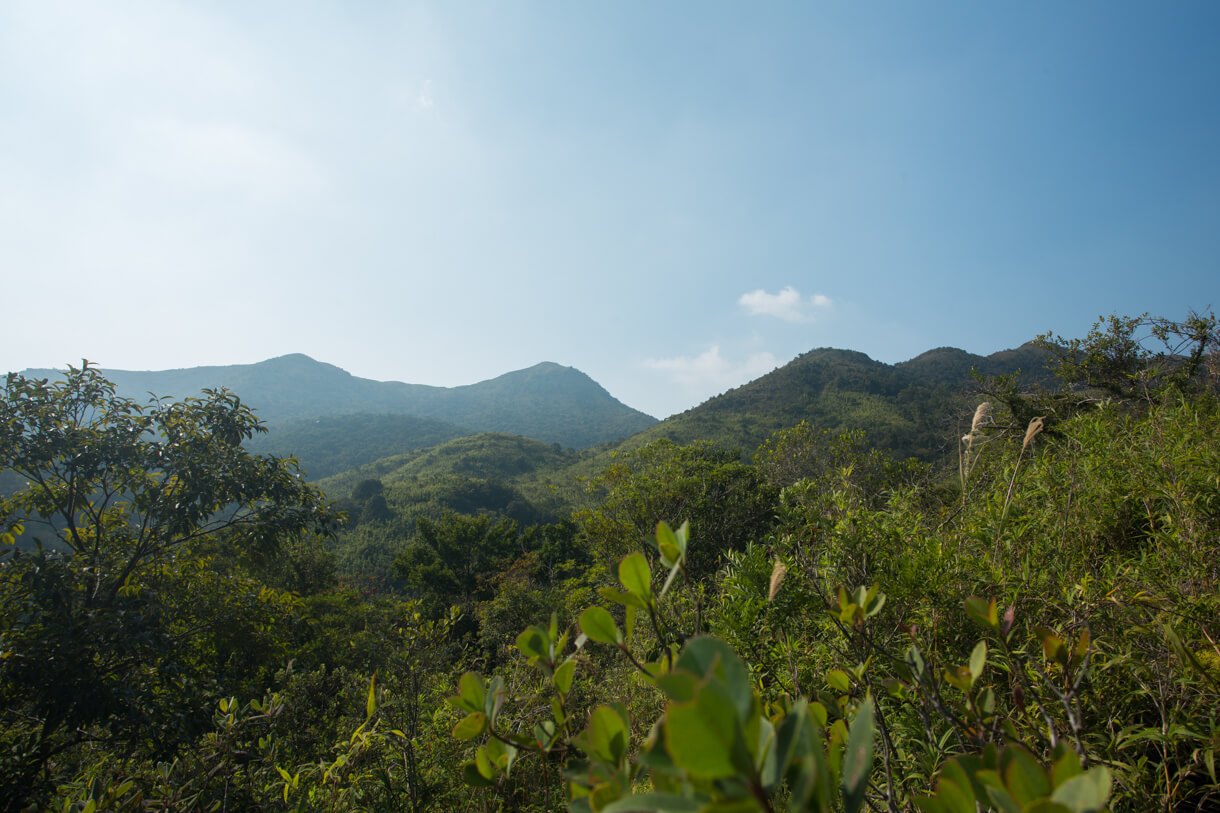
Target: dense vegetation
{"points": [[333, 444], [1029, 624]]}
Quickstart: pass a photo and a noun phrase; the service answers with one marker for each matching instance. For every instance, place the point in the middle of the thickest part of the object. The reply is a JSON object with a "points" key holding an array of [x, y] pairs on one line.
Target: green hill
{"points": [[909, 409], [548, 401]]}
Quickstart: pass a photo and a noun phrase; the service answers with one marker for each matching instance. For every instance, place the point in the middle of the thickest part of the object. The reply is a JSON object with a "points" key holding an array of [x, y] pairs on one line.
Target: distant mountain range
{"points": [[335, 422], [548, 401]]}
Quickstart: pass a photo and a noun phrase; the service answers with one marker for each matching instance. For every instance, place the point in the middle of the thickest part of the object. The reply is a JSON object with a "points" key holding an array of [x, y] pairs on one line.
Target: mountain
{"points": [[911, 409], [548, 402]]}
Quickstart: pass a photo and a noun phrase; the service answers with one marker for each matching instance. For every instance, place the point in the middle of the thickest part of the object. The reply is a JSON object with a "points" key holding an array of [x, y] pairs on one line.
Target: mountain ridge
{"points": [[334, 421], [841, 390], [548, 401]]}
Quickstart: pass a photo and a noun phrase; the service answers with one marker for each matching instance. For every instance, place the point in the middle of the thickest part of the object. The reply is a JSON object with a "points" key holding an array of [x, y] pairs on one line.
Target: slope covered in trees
{"points": [[909, 409], [1032, 627]]}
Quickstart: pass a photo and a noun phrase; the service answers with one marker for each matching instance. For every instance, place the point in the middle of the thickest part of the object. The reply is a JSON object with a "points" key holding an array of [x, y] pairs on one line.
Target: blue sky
{"points": [[672, 197]]}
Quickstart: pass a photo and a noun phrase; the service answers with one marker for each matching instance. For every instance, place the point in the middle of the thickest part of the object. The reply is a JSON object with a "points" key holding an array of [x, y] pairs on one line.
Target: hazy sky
{"points": [[673, 197]]}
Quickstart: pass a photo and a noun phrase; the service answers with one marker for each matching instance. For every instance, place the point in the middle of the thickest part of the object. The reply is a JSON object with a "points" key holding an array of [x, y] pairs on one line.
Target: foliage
{"points": [[110, 620], [727, 501], [1115, 356], [452, 558], [1030, 626], [332, 444], [718, 746]]}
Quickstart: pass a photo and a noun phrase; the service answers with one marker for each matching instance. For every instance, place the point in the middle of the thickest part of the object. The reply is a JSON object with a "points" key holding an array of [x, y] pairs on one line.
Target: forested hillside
{"points": [[548, 402], [337, 443], [912, 409], [1027, 622]]}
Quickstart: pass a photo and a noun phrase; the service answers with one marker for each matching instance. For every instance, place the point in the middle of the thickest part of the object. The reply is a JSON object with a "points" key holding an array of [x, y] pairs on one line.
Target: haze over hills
{"points": [[548, 401]]}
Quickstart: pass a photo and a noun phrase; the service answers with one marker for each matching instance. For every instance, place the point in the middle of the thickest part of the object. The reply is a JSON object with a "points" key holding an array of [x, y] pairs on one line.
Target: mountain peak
{"points": [[548, 401]]}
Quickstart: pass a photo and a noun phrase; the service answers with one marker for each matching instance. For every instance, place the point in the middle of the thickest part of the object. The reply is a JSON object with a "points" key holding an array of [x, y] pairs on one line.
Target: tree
{"points": [[119, 496], [726, 501], [1139, 357], [453, 560]]}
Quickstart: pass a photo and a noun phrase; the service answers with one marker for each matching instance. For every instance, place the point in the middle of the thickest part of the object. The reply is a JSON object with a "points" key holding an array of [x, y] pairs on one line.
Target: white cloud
{"points": [[788, 304], [710, 373]]}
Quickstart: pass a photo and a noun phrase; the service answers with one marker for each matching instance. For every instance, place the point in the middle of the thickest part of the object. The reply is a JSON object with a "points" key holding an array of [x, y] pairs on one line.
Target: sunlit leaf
{"points": [[596, 623], [470, 726], [635, 575]]}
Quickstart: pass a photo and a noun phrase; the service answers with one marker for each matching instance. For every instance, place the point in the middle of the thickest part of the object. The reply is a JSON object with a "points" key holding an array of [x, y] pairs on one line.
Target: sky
{"points": [[674, 198]]}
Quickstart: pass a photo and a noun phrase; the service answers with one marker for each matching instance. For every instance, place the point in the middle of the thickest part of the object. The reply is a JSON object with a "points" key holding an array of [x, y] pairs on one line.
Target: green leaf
{"points": [[740, 804], [483, 763], [978, 659], [471, 692], [959, 677], [1023, 776], [470, 726], [533, 643], [682, 535], [544, 734], [1047, 806], [669, 580], [956, 772], [596, 623], [760, 734], [876, 602], [1082, 646], [838, 680], [669, 553], [633, 572], [700, 735], [494, 699], [563, 676], [1001, 799], [1086, 792], [370, 705], [607, 736], [1066, 764], [501, 754], [657, 803], [710, 657], [983, 611], [858, 758], [665, 535], [800, 756], [1053, 647], [620, 597], [954, 797], [679, 685], [472, 777]]}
